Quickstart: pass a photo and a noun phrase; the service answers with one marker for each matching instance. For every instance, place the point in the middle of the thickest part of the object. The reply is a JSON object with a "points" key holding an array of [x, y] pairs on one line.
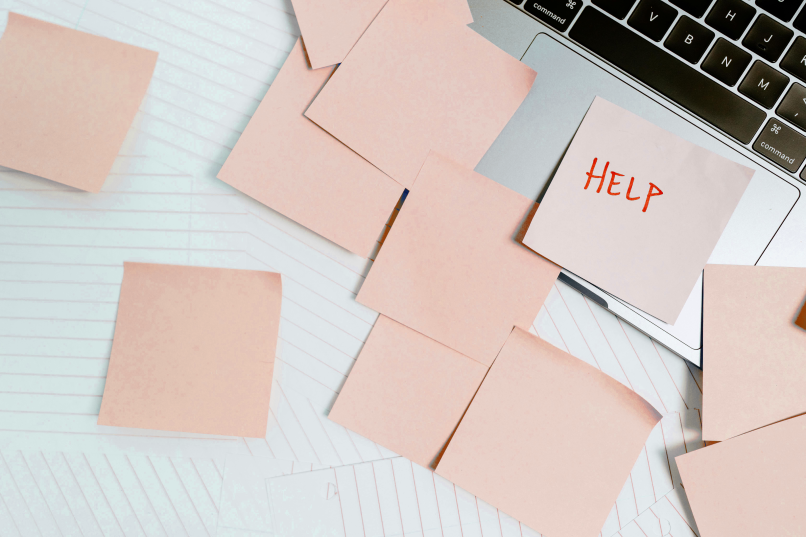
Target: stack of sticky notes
{"points": [[450, 379], [750, 481], [452, 282], [334, 148]]}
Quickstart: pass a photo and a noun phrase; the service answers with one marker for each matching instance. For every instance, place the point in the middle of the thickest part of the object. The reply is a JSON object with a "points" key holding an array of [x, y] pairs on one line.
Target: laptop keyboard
{"points": [[739, 67]]}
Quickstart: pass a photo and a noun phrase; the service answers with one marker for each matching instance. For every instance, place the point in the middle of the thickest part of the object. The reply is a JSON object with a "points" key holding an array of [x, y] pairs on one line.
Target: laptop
{"points": [[727, 75]]}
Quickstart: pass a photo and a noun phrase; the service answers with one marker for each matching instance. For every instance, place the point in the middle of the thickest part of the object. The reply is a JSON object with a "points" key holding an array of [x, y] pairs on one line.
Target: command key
{"points": [[559, 14], [782, 145]]}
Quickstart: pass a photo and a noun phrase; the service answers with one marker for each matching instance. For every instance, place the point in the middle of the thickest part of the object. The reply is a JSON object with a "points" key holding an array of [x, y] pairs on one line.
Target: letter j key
{"points": [[767, 38]]}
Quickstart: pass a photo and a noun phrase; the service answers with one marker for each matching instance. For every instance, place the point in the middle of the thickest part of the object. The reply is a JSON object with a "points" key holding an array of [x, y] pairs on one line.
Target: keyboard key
{"points": [[689, 39], [800, 21], [695, 8], [726, 62], [763, 84], [793, 107], [666, 74], [783, 9], [782, 145], [556, 13], [652, 18], [617, 8], [731, 17], [795, 60], [767, 38]]}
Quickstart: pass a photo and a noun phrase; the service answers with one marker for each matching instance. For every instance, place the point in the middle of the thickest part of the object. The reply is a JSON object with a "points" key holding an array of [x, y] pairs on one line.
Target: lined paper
{"points": [[398, 497], [384, 494]]}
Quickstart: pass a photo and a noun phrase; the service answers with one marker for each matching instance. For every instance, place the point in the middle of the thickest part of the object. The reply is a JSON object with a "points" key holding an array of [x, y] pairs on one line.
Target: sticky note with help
{"points": [[636, 210]]}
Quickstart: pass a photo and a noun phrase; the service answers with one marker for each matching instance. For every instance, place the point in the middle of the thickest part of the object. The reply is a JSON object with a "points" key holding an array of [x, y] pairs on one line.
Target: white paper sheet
{"points": [[397, 497]]}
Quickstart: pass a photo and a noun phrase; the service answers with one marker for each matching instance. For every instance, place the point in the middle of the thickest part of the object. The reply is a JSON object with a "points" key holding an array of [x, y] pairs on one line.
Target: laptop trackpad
{"points": [[528, 151]]}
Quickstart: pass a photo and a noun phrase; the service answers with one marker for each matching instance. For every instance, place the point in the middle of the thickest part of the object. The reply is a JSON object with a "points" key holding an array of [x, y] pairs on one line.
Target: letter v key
{"points": [[652, 16]]}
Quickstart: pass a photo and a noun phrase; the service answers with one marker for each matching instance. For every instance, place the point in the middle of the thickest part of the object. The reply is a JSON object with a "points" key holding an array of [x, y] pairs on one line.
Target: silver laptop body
{"points": [[768, 226]]}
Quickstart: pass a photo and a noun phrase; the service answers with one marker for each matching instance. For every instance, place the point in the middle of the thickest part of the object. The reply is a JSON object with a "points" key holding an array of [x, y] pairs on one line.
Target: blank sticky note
{"points": [[450, 267], [193, 350], [287, 162], [753, 353], [636, 210], [419, 80], [67, 100], [547, 434], [749, 485], [407, 392]]}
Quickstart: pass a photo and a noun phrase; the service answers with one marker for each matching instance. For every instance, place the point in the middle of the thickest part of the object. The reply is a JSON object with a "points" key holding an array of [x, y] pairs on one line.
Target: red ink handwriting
{"points": [[654, 190]]}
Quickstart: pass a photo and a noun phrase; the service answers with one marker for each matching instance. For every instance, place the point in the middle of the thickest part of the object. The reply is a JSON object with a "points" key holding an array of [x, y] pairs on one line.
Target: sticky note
{"points": [[753, 353], [67, 100], [450, 267], [636, 210], [193, 350], [751, 484], [545, 434], [419, 80], [285, 161], [332, 27], [407, 392]]}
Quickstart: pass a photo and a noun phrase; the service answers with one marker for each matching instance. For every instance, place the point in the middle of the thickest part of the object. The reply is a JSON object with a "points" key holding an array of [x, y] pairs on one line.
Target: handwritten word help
{"points": [[653, 189]]}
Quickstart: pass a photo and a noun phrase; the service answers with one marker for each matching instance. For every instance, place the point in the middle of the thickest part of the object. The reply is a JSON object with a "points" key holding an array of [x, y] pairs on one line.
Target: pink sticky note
{"points": [[193, 350], [331, 27], [418, 80], [407, 392], [753, 353], [645, 231], [450, 267], [67, 100], [285, 161], [750, 485], [545, 434]]}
